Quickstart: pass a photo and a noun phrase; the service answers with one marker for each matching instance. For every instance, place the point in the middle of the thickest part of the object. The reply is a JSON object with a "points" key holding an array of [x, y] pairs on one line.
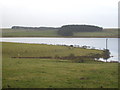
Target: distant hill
{"points": [[34, 28], [68, 30], [105, 33]]}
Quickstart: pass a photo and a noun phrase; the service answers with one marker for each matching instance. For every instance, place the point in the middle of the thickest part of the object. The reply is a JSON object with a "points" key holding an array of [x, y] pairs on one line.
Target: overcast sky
{"points": [[56, 13]]}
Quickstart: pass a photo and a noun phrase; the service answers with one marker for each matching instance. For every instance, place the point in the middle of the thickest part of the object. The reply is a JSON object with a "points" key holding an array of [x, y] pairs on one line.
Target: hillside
{"points": [[54, 73], [105, 33]]}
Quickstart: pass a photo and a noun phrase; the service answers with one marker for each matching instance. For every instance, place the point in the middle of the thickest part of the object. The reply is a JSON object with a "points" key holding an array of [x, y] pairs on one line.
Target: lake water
{"points": [[97, 43]]}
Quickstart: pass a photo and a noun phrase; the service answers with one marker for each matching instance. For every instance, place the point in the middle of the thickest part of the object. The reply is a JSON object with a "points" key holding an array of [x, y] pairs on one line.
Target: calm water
{"points": [[97, 43]]}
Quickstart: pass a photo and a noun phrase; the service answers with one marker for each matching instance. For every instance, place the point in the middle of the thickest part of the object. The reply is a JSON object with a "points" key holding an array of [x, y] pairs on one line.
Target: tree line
{"points": [[65, 30], [68, 30], [34, 28]]}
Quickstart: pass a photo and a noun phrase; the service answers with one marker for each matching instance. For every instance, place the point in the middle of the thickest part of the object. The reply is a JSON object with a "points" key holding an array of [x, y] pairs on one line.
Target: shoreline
{"points": [[60, 37], [53, 45]]}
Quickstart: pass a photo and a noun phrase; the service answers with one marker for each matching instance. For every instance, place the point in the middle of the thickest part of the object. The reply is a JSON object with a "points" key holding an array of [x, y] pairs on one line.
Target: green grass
{"points": [[42, 50], [0, 65], [41, 73], [53, 33], [28, 33], [52, 73], [105, 32]]}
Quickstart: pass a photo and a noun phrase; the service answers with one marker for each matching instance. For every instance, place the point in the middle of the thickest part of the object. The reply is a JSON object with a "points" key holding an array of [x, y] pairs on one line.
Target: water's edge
{"points": [[94, 43]]}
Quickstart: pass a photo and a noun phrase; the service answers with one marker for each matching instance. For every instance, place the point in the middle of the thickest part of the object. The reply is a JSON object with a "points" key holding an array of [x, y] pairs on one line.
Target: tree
{"points": [[68, 30], [106, 54], [65, 32]]}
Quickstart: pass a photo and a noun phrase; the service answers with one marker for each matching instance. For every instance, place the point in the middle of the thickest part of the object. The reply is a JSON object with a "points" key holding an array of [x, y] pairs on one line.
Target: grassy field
{"points": [[104, 33], [28, 33], [53, 33], [54, 73], [42, 50]]}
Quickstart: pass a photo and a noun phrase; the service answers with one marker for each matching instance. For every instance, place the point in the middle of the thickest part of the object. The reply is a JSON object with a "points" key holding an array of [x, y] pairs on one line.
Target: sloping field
{"points": [[53, 33], [53, 73]]}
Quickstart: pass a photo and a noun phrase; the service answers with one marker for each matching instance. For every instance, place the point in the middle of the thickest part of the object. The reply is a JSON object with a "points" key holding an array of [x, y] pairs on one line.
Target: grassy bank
{"points": [[43, 50], [54, 73], [112, 33]]}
